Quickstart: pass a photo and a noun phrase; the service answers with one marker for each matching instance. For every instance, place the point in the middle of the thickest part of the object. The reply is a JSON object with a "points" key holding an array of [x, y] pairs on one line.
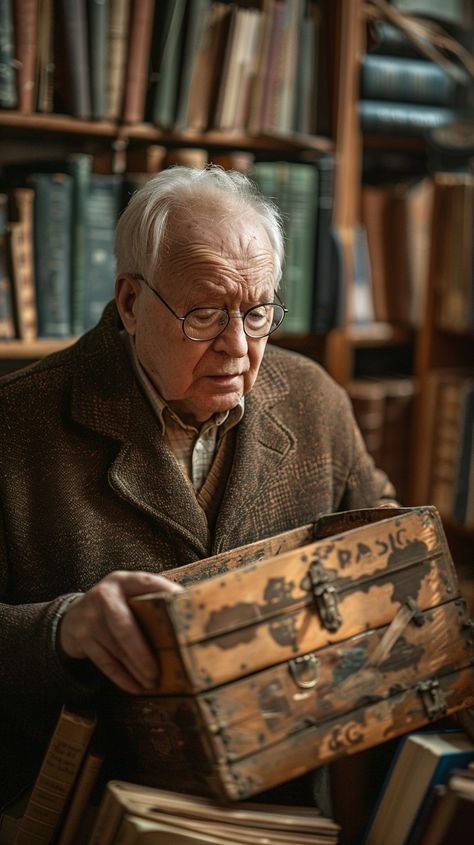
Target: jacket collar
{"points": [[107, 398]]}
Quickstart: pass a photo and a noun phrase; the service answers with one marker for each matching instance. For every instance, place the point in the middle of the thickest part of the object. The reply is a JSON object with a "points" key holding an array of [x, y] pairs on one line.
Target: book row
{"points": [[57, 225], [179, 64], [403, 90]]}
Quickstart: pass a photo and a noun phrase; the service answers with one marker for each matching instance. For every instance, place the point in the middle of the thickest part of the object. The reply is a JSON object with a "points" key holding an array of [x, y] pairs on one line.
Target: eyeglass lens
{"points": [[207, 323]]}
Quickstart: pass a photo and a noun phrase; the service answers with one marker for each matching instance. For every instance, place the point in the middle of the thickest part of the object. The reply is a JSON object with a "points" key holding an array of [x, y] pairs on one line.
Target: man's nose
{"points": [[233, 339]]}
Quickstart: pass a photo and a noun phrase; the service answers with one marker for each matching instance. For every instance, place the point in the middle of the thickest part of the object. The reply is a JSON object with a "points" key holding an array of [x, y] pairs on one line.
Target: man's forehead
{"points": [[221, 221]]}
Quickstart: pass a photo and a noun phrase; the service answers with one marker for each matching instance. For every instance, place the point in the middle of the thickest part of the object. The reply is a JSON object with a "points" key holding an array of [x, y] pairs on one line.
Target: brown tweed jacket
{"points": [[87, 485]]}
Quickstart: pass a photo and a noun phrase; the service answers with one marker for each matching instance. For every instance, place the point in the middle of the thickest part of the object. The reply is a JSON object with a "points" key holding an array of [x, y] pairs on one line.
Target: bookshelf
{"points": [[343, 350]]}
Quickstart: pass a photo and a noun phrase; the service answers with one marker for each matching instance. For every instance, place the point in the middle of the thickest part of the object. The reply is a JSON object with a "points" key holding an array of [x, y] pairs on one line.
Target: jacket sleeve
{"points": [[33, 678]]}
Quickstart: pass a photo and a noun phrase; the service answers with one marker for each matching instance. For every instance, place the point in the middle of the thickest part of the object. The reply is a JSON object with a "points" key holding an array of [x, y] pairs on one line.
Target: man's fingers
{"points": [[130, 645], [138, 583], [111, 667]]}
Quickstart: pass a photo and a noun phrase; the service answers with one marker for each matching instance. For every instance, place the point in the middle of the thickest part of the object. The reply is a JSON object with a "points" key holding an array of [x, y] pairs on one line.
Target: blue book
{"points": [[103, 206], [423, 760], [53, 205]]}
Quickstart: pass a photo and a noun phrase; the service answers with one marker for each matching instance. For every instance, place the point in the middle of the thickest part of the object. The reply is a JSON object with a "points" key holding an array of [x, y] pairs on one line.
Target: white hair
{"points": [[141, 227]]}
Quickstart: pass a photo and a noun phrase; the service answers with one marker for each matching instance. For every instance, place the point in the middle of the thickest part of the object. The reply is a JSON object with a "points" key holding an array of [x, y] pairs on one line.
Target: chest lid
{"points": [[384, 564]]}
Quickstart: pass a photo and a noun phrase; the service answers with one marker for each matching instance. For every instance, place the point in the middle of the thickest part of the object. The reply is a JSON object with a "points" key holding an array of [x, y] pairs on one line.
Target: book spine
{"points": [[26, 30], [23, 261], [103, 208], [139, 40], [8, 95], [326, 292], [388, 40], [52, 246], [83, 788], [164, 101], [98, 11], [405, 80], [45, 72], [394, 118], [7, 323], [75, 37], [56, 778], [80, 169], [117, 32], [465, 450]]}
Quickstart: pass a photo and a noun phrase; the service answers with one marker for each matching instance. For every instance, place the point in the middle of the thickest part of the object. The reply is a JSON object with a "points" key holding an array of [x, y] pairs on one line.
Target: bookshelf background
{"points": [[393, 353]]}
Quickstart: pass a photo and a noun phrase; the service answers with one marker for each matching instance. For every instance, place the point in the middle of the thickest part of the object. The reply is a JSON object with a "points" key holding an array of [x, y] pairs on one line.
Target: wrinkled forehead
{"points": [[225, 225]]}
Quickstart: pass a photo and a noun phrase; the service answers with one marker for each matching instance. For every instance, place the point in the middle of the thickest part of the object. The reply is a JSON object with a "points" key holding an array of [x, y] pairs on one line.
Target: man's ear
{"points": [[127, 289]]}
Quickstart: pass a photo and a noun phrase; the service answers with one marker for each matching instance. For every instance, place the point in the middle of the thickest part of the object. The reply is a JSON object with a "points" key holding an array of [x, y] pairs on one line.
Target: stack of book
{"points": [[131, 815], [402, 90], [430, 780], [69, 806]]}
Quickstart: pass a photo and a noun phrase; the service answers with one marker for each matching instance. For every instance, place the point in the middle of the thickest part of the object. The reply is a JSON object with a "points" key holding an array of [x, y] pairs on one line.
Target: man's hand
{"points": [[100, 625]]}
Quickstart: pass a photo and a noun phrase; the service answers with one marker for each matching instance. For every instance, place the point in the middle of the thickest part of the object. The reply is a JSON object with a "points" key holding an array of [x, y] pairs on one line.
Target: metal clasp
{"points": [[325, 595], [433, 698], [307, 664]]}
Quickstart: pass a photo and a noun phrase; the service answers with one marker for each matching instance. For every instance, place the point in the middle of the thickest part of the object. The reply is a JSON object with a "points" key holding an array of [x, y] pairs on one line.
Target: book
{"points": [[237, 59], [397, 218], [25, 17], [7, 323], [400, 118], [117, 34], [328, 284], [456, 13], [306, 87], [22, 261], [368, 401], [72, 825], [136, 74], [74, 69], [246, 821], [56, 777], [45, 57], [450, 390], [463, 478], [166, 74], [52, 249], [407, 80], [102, 208], [422, 761], [453, 253], [206, 70], [195, 29], [8, 95], [293, 187], [97, 23], [388, 40]]}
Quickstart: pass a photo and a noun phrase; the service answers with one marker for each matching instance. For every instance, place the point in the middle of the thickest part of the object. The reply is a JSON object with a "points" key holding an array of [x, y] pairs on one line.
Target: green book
{"points": [[103, 206], [293, 188], [52, 247], [8, 94], [167, 74]]}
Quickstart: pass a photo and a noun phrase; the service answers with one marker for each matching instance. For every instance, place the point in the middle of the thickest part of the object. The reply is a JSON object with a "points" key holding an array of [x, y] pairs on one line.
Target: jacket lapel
{"points": [[107, 399], [263, 444]]}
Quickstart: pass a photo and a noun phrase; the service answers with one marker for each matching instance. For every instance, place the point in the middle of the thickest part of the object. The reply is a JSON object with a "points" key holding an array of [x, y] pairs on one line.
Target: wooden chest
{"points": [[326, 648]]}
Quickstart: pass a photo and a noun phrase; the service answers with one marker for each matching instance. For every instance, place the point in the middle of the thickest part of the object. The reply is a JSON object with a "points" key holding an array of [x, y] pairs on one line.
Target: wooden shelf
{"points": [[29, 349], [67, 125]]}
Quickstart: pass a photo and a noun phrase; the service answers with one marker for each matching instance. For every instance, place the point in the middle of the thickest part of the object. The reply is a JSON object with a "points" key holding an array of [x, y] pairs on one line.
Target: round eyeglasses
{"points": [[200, 324]]}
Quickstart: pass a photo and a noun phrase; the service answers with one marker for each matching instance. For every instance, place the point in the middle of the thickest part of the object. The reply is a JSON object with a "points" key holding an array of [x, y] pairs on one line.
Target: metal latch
{"points": [[305, 670], [318, 581], [433, 698]]}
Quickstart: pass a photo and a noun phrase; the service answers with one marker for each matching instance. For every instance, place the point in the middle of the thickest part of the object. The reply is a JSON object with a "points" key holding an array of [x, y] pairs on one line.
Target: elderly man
{"points": [[168, 433]]}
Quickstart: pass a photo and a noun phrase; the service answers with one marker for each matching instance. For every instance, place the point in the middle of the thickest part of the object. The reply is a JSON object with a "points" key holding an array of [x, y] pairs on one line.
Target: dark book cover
{"points": [[52, 246], [104, 203], [8, 96]]}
